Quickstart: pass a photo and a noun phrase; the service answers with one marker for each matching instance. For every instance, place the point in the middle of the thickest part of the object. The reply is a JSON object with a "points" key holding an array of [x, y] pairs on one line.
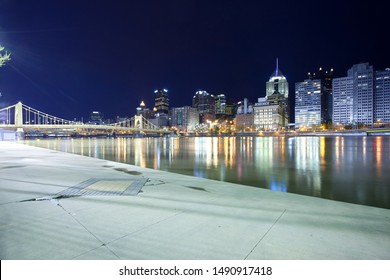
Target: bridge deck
{"points": [[79, 127]]}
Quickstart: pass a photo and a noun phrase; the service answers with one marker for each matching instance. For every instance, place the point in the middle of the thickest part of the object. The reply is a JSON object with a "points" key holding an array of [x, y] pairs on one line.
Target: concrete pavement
{"points": [[122, 211]]}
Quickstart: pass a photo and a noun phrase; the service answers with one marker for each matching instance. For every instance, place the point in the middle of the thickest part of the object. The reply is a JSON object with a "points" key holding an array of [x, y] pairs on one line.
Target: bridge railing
{"points": [[125, 123], [132, 122], [33, 116], [7, 115], [23, 114]]}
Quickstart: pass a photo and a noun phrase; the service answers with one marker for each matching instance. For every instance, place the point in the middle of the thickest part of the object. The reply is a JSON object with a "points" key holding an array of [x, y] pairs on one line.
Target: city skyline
{"points": [[110, 58]]}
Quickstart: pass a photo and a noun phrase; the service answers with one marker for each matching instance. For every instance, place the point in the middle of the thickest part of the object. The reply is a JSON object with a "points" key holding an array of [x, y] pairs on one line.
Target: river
{"points": [[349, 169]]}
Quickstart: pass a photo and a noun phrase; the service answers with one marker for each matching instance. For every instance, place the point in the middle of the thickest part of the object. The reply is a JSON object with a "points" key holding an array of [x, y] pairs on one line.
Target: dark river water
{"points": [[350, 169]]}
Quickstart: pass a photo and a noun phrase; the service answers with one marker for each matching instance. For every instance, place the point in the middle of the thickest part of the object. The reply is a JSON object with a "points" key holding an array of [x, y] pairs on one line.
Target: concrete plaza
{"points": [[55, 205]]}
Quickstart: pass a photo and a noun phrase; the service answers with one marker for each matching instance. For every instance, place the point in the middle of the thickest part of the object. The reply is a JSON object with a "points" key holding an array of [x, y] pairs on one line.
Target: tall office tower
{"points": [[363, 93], [308, 105], [205, 103], [185, 118], [382, 97], [277, 83], [277, 91], [161, 101], [220, 105], [362, 97], [326, 77], [342, 101]]}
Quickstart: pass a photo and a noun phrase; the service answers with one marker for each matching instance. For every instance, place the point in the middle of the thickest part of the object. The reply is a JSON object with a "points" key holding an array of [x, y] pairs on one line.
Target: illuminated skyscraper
{"points": [[185, 118], [220, 105], [342, 101], [277, 93], [326, 78], [382, 97], [205, 103], [277, 84], [353, 96], [363, 93], [363, 97], [308, 103], [161, 101], [313, 99]]}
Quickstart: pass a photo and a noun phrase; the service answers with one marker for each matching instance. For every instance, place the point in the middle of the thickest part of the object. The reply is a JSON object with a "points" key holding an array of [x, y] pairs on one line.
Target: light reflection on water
{"points": [[351, 169]]}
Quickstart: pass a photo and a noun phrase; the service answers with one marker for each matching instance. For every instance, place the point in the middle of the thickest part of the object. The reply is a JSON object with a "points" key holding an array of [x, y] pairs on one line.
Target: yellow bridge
{"points": [[24, 119]]}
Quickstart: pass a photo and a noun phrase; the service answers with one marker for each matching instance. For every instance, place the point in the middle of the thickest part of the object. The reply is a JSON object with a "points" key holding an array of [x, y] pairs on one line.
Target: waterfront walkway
{"points": [[55, 205]]}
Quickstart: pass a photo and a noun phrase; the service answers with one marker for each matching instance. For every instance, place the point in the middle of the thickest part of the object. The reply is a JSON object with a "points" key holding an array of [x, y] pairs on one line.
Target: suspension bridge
{"points": [[26, 120]]}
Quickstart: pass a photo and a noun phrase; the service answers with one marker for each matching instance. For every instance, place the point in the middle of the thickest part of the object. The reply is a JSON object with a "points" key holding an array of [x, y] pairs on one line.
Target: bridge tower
{"points": [[19, 120], [138, 122]]}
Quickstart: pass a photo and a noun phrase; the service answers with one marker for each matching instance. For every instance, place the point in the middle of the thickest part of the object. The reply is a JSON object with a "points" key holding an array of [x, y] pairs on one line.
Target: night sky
{"points": [[72, 57]]}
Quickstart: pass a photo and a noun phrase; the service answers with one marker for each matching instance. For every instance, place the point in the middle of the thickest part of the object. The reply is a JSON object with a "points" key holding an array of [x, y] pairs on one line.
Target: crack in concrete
{"points": [[251, 251], [90, 232], [55, 200]]}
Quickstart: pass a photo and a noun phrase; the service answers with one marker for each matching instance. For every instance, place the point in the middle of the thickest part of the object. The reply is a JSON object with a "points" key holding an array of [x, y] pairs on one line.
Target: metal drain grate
{"points": [[105, 186]]}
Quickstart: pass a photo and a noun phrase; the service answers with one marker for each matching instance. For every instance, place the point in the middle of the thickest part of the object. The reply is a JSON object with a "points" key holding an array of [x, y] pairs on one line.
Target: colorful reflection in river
{"points": [[351, 169]]}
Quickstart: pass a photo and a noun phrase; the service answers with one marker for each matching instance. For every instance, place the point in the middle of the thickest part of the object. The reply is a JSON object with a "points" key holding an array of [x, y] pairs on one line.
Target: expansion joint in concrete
{"points": [[251, 251]]}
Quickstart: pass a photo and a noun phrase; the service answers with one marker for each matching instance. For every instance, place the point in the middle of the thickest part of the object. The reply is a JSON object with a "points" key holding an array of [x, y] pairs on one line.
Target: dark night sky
{"points": [[72, 57]]}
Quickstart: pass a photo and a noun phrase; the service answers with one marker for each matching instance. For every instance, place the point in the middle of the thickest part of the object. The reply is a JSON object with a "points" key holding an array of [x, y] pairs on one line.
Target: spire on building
{"points": [[277, 74]]}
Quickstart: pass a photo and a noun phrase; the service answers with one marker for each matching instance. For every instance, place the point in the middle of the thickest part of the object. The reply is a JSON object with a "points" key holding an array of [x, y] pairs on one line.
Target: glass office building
{"points": [[308, 103]]}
